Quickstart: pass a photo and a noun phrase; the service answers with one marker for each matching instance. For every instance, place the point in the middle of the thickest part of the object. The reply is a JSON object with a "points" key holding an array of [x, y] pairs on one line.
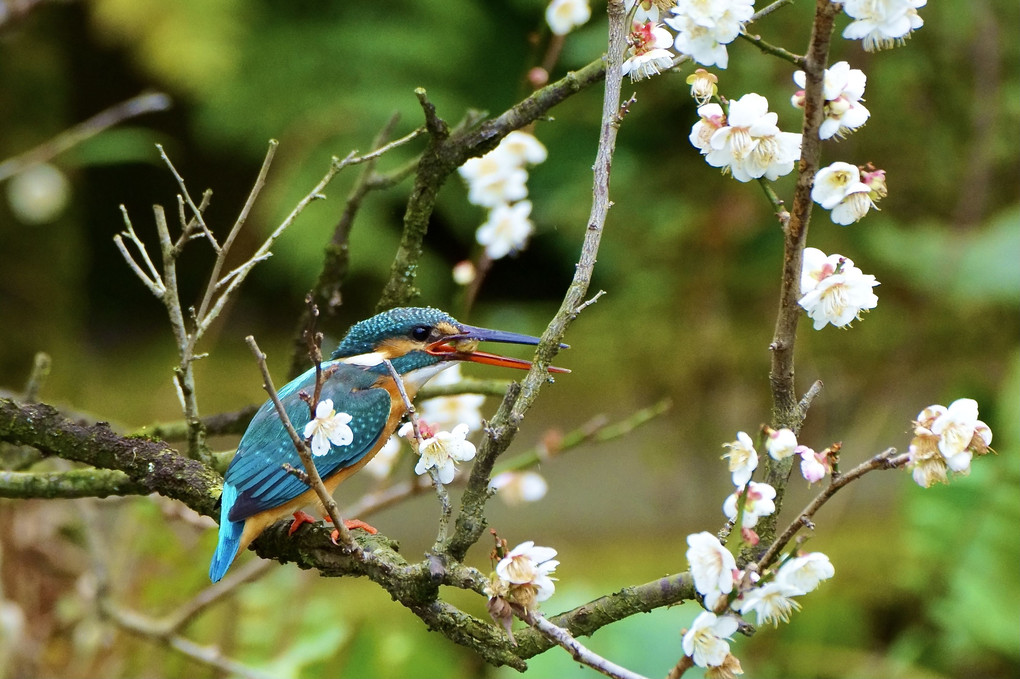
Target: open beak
{"points": [[461, 347]]}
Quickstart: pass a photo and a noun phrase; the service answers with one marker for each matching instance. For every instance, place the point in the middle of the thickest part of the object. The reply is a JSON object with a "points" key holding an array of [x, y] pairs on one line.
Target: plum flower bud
{"points": [[813, 466]]}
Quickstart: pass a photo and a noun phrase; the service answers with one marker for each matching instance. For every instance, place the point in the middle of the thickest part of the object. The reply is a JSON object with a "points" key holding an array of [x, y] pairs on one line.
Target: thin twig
{"points": [[579, 651], [883, 460], [224, 251], [149, 102], [328, 503], [471, 521]]}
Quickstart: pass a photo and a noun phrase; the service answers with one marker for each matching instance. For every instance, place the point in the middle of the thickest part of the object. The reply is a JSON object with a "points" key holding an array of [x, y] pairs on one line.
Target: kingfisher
{"points": [[419, 343]]}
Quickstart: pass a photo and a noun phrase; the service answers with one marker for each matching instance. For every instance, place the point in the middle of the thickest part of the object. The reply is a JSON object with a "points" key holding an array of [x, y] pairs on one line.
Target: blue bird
{"points": [[419, 342]]}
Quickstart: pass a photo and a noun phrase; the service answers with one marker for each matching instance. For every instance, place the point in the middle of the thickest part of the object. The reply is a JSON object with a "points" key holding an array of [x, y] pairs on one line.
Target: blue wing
{"points": [[256, 473]]}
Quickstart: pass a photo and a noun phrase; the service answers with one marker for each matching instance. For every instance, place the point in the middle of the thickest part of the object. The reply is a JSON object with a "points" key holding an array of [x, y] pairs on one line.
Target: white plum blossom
{"points": [[750, 144], [705, 27], [498, 181], [772, 602], [494, 179], [780, 443], [760, 502], [648, 51], [518, 487], [833, 289], [564, 16], [526, 571], [956, 428], [843, 88], [839, 188], [806, 571], [499, 176], [743, 458], [506, 230], [327, 428], [946, 439], [712, 565], [442, 452], [882, 24], [711, 119], [706, 641], [523, 148]]}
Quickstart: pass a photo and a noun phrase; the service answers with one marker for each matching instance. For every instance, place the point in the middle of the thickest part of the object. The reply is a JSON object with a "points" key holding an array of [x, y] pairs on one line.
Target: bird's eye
{"points": [[420, 333]]}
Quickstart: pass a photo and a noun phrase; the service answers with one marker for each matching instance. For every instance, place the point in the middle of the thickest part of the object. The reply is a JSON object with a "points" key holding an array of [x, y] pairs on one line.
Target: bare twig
{"points": [[471, 521], [149, 102], [577, 650], [884, 460], [785, 404], [328, 503]]}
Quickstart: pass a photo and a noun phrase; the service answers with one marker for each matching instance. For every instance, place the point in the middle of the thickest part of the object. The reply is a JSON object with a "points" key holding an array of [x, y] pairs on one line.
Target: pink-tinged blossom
{"points": [[706, 641], [760, 502], [834, 290], [648, 51], [712, 118], [813, 466], [843, 89], [882, 24], [750, 145], [442, 452], [705, 27], [712, 565]]}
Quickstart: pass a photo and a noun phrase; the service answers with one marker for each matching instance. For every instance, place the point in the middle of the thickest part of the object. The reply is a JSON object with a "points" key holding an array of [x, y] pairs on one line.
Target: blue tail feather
{"points": [[230, 536]]}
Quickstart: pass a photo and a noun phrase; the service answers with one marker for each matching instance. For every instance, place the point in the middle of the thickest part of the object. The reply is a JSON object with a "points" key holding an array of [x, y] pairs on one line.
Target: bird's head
{"points": [[422, 341]]}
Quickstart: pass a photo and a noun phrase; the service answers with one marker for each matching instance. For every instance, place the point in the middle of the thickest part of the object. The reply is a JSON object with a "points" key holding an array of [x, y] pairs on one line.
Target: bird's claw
{"points": [[351, 524]]}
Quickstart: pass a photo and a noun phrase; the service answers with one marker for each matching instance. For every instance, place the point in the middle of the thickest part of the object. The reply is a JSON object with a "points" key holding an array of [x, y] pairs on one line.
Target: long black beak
{"points": [[460, 347]]}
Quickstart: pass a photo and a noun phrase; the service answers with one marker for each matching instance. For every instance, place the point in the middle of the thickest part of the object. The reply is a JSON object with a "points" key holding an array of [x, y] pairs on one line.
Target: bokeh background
{"points": [[926, 581]]}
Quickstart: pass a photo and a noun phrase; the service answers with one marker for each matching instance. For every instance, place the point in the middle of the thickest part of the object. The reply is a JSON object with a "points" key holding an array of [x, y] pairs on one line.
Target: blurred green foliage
{"points": [[926, 581]]}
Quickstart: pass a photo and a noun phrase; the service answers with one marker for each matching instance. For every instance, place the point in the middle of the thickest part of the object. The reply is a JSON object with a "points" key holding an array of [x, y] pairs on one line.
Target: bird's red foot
{"points": [[351, 524], [299, 519]]}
